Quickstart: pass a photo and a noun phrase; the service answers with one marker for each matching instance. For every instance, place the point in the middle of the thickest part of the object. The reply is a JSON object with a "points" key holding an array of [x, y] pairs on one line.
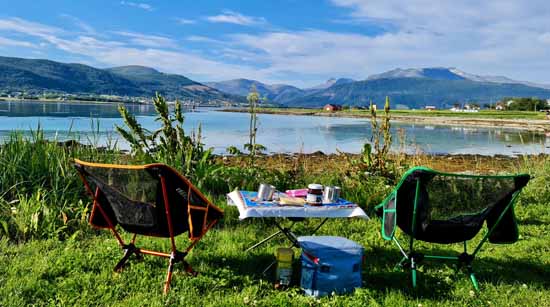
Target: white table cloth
{"points": [[235, 198]]}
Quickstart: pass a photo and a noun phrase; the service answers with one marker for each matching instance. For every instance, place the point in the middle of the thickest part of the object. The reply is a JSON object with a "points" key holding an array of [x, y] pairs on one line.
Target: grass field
{"points": [[50, 257], [482, 114], [78, 271]]}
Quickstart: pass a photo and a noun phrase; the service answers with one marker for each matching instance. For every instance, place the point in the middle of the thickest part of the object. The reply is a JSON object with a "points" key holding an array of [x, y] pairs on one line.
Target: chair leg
{"points": [[413, 272], [176, 257], [474, 281], [473, 278], [169, 274], [129, 250]]}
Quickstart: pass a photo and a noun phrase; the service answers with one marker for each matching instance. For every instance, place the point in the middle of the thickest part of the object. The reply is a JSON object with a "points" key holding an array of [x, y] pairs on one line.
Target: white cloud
{"points": [[236, 18], [485, 37], [79, 23], [28, 27], [15, 43], [147, 40], [185, 21], [143, 6]]}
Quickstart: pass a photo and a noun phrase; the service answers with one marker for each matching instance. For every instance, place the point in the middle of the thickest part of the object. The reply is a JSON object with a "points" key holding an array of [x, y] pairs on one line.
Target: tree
{"points": [[526, 104]]}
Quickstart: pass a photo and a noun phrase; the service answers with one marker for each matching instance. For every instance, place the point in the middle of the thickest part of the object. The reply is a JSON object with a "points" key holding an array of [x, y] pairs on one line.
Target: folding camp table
{"points": [[248, 208]]}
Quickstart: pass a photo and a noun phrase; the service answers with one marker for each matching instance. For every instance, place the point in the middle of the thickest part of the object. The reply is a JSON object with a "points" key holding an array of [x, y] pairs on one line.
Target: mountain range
{"points": [[17, 74], [407, 88], [277, 93], [416, 88]]}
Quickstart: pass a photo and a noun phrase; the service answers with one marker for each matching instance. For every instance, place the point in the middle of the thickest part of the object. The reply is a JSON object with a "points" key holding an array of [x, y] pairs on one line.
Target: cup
{"points": [[265, 192], [331, 194]]}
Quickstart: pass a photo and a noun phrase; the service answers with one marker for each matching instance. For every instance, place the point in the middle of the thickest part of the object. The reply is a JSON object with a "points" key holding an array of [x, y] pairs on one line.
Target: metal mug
{"points": [[331, 194], [265, 192]]}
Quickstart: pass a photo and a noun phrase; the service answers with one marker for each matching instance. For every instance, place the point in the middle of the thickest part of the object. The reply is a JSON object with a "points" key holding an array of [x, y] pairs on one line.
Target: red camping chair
{"points": [[151, 200]]}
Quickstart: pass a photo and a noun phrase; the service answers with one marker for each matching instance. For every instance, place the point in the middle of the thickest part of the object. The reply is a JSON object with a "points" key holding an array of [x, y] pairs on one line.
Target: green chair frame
{"points": [[412, 258]]}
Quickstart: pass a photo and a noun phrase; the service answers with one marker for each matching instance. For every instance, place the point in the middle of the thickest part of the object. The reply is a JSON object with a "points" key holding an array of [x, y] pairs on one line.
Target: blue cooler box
{"points": [[330, 264]]}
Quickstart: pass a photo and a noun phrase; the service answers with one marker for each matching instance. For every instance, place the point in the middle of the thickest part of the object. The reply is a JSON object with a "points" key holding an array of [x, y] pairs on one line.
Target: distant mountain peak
{"points": [[448, 73], [278, 93], [439, 73], [330, 82]]}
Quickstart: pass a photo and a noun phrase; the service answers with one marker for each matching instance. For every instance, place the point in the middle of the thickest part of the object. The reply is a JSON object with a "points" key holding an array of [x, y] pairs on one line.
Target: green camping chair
{"points": [[445, 208]]}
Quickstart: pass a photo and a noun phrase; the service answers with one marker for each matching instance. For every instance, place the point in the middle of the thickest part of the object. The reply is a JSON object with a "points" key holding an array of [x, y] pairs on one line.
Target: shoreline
{"points": [[520, 124]]}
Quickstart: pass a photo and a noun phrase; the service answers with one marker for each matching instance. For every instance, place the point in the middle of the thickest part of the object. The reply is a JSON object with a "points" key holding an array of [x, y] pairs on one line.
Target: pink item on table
{"points": [[296, 193]]}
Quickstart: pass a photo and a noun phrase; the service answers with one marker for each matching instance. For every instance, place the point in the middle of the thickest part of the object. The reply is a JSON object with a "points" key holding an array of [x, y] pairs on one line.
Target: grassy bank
{"points": [[535, 121], [483, 114], [49, 256]]}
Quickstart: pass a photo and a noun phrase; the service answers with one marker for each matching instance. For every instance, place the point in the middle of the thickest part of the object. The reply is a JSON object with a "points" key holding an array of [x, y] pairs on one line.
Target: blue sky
{"points": [[297, 42]]}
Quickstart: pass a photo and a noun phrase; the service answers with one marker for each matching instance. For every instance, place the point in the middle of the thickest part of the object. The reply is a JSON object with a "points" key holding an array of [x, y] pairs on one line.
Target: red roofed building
{"points": [[332, 107]]}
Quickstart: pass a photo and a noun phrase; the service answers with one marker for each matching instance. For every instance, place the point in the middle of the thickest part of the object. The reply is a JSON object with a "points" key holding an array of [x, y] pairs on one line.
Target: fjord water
{"points": [[94, 123]]}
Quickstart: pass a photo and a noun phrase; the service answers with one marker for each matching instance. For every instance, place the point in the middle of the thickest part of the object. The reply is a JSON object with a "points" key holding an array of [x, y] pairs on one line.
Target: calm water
{"points": [[279, 133]]}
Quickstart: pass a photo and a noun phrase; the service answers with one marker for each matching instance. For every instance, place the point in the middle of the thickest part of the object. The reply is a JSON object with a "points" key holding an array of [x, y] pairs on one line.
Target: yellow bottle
{"points": [[284, 258]]}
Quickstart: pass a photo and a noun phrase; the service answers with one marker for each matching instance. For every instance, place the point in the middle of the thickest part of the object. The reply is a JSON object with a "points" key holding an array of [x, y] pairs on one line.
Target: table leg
{"points": [[292, 238], [319, 226], [284, 230], [288, 233], [262, 242]]}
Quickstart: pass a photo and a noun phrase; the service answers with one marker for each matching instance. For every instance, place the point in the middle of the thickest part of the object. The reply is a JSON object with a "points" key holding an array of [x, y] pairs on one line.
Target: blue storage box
{"points": [[330, 264]]}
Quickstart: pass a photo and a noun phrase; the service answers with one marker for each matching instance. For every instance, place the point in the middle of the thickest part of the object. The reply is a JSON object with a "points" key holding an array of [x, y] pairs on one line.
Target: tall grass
{"points": [[40, 193]]}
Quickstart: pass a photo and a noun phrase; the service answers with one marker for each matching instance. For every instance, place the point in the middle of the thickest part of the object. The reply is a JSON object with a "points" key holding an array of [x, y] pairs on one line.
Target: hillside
{"points": [[277, 93], [418, 87], [415, 92], [153, 81], [330, 82], [37, 76]]}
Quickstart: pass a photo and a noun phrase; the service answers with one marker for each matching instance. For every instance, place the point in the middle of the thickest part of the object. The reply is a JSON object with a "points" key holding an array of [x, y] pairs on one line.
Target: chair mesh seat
{"points": [[133, 198], [453, 207]]}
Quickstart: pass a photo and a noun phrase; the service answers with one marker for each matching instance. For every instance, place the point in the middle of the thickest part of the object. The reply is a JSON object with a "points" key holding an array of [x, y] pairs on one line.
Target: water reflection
{"points": [[64, 109]]}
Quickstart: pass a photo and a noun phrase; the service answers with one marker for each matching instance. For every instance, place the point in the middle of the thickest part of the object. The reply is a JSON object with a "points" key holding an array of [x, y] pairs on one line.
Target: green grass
{"points": [[489, 114], [78, 271], [49, 257], [482, 114]]}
